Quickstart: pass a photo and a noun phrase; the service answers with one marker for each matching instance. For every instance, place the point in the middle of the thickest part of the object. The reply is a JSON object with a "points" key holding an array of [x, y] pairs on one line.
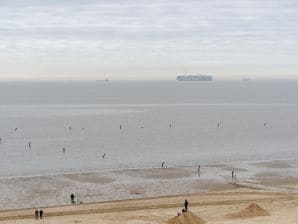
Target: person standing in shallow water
{"points": [[162, 164]]}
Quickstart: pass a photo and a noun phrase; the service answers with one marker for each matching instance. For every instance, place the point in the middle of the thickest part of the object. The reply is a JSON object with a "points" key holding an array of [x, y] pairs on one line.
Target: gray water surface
{"points": [[181, 123]]}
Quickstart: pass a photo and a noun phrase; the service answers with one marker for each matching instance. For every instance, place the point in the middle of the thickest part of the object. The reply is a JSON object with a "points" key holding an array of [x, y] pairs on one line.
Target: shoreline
{"points": [[127, 184], [206, 164]]}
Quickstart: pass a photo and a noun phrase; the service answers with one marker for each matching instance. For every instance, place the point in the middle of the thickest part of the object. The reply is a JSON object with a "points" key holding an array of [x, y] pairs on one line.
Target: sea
{"points": [[131, 125]]}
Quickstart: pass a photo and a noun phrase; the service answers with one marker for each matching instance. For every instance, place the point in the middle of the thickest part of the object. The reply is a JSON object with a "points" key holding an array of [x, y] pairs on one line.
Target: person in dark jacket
{"points": [[186, 205], [72, 198], [36, 214], [40, 214]]}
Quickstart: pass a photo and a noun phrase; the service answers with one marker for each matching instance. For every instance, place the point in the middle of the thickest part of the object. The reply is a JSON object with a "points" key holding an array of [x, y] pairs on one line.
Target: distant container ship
{"points": [[194, 77]]}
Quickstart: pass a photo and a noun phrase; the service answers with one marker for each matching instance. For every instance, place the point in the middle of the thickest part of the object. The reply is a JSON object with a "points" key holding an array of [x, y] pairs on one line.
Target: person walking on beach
{"points": [[233, 172], [40, 214], [36, 214], [72, 199], [186, 205], [199, 170]]}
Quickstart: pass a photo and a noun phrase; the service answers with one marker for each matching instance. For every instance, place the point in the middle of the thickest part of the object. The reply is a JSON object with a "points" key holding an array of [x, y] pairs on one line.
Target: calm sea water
{"points": [[181, 123]]}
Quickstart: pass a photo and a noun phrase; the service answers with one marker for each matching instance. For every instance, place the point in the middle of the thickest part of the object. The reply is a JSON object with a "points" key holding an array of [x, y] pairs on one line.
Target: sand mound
{"points": [[186, 218], [253, 210]]}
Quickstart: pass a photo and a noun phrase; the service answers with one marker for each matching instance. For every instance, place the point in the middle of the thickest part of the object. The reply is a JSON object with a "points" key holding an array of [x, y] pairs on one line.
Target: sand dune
{"points": [[187, 218], [251, 211]]}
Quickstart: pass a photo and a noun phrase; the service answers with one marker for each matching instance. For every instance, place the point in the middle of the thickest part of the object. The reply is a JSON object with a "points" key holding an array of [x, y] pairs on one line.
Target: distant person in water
{"points": [[186, 205], [40, 214], [29, 144], [0, 140], [233, 173], [63, 149], [104, 155], [199, 170], [264, 124], [69, 128], [162, 164], [170, 125], [15, 129], [120, 127], [218, 124]]}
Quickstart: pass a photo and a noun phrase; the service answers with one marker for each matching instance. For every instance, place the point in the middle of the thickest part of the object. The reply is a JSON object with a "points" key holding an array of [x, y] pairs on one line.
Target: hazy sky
{"points": [[156, 39]]}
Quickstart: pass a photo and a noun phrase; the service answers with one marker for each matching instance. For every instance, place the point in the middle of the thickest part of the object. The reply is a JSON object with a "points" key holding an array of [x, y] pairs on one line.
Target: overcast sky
{"points": [[156, 39]]}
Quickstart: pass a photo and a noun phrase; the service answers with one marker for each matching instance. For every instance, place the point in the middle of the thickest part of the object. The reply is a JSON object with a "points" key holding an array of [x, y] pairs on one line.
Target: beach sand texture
{"points": [[213, 207]]}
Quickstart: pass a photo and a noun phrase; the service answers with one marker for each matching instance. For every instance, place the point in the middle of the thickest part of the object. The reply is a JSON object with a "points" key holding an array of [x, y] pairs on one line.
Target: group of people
{"points": [[38, 214]]}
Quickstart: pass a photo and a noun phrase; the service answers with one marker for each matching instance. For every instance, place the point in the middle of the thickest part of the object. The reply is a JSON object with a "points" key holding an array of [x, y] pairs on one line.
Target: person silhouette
{"points": [[72, 198], [186, 205], [36, 214], [40, 214]]}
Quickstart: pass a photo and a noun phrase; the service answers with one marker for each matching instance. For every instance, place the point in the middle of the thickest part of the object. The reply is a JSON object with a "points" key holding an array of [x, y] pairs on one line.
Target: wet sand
{"points": [[101, 186]]}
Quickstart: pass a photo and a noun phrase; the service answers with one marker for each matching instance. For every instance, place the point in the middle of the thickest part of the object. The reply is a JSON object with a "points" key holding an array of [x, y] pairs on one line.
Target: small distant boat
{"points": [[198, 77]]}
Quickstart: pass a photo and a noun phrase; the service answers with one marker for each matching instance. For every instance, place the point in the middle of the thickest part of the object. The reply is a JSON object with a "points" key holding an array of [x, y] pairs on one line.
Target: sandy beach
{"points": [[102, 186], [213, 207], [271, 188]]}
